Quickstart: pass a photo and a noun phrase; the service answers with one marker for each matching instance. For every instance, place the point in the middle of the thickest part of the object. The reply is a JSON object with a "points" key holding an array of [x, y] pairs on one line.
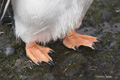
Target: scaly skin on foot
{"points": [[73, 40], [39, 53]]}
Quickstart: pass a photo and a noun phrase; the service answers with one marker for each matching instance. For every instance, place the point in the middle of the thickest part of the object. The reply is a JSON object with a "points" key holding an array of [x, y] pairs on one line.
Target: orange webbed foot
{"points": [[39, 54], [73, 40]]}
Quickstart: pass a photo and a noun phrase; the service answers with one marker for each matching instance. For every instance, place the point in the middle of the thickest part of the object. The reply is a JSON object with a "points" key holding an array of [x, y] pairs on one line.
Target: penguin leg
{"points": [[39, 53], [73, 40]]}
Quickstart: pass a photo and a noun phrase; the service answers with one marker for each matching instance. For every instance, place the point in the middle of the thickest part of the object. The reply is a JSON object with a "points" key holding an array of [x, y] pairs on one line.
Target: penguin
{"points": [[45, 20]]}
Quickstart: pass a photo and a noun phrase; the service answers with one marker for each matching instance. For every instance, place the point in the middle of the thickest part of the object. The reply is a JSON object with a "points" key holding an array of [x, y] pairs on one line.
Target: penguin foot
{"points": [[39, 53], [73, 40]]}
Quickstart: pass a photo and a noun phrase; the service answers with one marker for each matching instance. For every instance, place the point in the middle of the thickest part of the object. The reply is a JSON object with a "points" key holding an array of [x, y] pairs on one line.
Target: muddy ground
{"points": [[102, 20]]}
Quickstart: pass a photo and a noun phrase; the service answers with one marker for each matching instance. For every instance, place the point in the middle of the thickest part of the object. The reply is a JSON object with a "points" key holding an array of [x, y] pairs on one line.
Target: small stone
{"points": [[23, 77], [113, 44], [9, 51], [106, 15]]}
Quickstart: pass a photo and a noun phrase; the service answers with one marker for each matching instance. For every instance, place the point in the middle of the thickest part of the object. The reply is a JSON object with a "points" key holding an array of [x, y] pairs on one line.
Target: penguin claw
{"points": [[77, 48], [52, 51], [51, 62], [94, 46], [39, 63], [99, 40]]}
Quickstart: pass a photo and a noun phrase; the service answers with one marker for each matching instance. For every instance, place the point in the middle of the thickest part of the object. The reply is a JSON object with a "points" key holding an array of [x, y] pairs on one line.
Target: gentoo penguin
{"points": [[45, 20]]}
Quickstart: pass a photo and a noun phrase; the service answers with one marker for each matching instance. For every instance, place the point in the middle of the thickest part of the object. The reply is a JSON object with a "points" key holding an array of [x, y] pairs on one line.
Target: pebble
{"points": [[9, 51], [106, 15]]}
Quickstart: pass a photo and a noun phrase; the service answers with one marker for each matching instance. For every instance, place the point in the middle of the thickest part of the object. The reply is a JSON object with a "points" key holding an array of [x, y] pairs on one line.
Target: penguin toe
{"points": [[74, 40], [38, 54]]}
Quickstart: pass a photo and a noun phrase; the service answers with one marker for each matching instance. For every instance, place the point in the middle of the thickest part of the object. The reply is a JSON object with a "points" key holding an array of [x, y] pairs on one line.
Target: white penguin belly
{"points": [[45, 20]]}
